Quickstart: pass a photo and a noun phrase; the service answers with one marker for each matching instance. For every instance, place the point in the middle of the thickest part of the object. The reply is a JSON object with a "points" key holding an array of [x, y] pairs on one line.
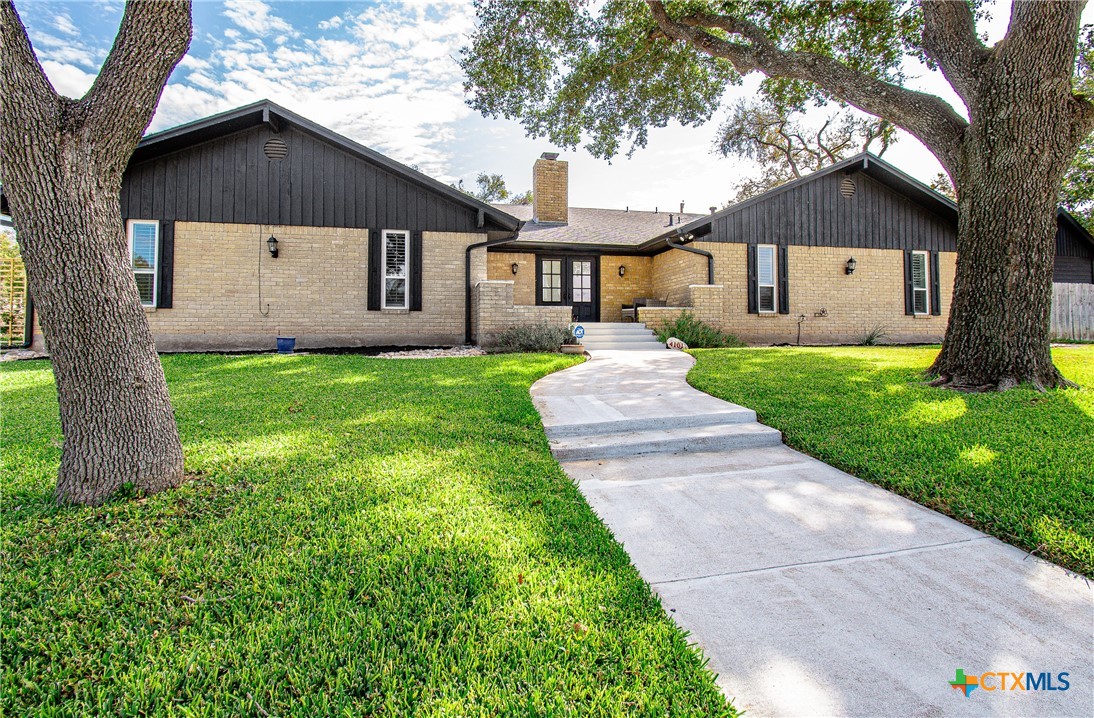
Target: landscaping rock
{"points": [[465, 351]]}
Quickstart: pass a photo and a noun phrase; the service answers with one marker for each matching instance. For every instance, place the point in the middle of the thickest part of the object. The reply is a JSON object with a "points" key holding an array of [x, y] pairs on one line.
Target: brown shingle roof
{"points": [[596, 226]]}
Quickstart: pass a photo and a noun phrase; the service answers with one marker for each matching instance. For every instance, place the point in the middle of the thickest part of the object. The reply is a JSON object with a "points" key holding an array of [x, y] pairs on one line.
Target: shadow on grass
{"points": [[1015, 464]]}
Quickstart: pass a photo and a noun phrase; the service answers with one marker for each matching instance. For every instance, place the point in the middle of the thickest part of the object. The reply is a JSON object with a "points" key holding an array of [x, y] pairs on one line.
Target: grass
{"points": [[363, 537], [1018, 465]]}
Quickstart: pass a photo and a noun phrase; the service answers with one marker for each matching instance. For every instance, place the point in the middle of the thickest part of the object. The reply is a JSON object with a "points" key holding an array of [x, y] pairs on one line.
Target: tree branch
{"points": [[949, 38], [153, 37], [926, 116], [22, 80]]}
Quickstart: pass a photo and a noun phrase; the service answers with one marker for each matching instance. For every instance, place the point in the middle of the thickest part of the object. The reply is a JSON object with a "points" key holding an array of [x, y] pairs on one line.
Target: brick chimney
{"points": [[550, 192]]}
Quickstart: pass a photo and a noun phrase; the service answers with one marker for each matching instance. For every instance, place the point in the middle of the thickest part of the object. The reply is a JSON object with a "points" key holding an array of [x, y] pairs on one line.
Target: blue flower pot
{"points": [[285, 345]]}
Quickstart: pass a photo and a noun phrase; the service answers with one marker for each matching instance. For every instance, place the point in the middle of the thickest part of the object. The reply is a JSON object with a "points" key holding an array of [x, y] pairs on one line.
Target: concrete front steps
{"points": [[728, 430], [619, 336]]}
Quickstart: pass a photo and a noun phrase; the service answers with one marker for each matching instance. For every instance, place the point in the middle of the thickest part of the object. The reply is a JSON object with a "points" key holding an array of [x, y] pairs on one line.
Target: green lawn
{"points": [[362, 537], [1018, 465]]}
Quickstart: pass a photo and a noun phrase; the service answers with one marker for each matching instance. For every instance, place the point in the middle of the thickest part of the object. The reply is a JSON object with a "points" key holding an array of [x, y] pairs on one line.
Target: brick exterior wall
{"points": [[494, 311], [615, 291], [550, 191], [499, 266], [674, 271], [316, 290], [873, 296]]}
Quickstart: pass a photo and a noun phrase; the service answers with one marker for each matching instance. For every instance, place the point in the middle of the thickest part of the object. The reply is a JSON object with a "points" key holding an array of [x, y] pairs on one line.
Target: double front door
{"points": [[570, 281]]}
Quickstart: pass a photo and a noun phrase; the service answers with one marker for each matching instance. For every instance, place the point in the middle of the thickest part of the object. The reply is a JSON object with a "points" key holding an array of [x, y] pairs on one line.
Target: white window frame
{"points": [[383, 269], [926, 288], [155, 271], [774, 279]]}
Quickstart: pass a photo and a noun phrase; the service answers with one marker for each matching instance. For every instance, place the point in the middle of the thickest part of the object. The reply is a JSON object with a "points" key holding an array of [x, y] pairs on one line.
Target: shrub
{"points": [[696, 334], [873, 336], [542, 337]]}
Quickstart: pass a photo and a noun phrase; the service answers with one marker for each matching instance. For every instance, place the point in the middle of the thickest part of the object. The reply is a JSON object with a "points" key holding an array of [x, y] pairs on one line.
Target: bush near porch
{"points": [[361, 537], [1018, 465]]}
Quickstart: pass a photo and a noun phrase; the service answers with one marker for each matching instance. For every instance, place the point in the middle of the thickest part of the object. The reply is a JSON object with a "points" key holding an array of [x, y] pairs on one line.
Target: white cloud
{"points": [[68, 79], [64, 23], [385, 77], [255, 17], [330, 24]]}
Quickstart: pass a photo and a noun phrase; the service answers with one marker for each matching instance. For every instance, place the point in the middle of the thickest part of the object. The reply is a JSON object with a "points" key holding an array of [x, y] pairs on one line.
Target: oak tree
{"points": [[603, 73], [785, 146], [61, 163]]}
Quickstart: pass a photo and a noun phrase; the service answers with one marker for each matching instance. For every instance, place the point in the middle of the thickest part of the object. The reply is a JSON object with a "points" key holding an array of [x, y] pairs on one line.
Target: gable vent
{"points": [[847, 187], [275, 148]]}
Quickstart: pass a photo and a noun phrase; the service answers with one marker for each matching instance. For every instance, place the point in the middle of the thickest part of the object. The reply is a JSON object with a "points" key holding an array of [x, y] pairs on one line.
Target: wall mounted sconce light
{"points": [[271, 244], [622, 270], [515, 267], [851, 264]]}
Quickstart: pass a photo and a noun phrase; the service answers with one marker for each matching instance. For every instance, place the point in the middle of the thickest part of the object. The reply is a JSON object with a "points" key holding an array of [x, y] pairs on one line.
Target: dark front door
{"points": [[570, 281]]}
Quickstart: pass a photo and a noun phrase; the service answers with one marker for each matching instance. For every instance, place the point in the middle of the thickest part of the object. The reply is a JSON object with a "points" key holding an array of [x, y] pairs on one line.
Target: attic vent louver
{"points": [[275, 148], [847, 187]]}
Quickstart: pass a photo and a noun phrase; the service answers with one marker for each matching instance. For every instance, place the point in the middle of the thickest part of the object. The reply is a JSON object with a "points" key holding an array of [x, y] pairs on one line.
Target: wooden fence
{"points": [[13, 302], [1073, 311]]}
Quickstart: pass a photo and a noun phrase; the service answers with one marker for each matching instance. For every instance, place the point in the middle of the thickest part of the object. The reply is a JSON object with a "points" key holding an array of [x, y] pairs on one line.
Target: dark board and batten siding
{"points": [[230, 180], [816, 214], [1074, 256]]}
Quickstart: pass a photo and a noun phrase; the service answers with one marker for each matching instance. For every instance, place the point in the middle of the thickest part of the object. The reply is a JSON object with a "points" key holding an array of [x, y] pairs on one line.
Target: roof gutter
{"points": [[696, 250], [468, 338]]}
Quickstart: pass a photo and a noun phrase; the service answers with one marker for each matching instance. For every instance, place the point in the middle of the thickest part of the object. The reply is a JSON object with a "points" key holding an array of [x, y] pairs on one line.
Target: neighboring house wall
{"points": [[316, 290], [673, 272], [615, 291]]}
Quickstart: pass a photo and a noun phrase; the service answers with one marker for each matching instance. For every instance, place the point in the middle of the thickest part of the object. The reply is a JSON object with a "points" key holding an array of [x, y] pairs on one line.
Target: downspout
{"points": [[467, 276], [695, 250]]}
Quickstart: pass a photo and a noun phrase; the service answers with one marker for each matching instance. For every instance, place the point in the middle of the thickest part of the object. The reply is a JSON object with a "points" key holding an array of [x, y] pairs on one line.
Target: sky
{"points": [[385, 75]]}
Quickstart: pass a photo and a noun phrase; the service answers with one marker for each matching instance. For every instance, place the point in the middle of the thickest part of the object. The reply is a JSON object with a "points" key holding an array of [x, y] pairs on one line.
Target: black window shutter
{"points": [[909, 299], [936, 294], [374, 273], [416, 271], [165, 278], [784, 281], [753, 307]]}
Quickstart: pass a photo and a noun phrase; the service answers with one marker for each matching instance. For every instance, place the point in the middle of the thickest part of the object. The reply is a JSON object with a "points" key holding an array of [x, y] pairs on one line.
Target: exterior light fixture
{"points": [[271, 244], [515, 267], [851, 264], [622, 270]]}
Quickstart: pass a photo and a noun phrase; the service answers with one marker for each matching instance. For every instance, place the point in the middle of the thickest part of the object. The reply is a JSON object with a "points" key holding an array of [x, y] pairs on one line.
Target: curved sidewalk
{"points": [[812, 592]]}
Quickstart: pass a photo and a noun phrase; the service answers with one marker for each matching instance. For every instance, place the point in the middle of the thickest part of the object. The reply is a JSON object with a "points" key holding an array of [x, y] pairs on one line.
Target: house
{"points": [[257, 222], [823, 259]]}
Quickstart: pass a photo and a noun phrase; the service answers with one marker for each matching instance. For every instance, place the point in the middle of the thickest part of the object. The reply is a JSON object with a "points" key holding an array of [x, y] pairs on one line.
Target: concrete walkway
{"points": [[812, 592]]}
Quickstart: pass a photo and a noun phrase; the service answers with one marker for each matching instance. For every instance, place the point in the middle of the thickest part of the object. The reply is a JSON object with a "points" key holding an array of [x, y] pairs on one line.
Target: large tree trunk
{"points": [[62, 164], [1021, 138]]}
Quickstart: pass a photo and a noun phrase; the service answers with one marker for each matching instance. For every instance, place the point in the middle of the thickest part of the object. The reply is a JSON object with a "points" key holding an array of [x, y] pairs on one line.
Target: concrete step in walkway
{"points": [[811, 592], [721, 437], [619, 336], [730, 416]]}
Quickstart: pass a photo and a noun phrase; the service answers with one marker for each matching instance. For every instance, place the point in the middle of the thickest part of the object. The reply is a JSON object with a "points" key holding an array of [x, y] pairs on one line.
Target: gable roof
{"points": [[1077, 227], [604, 229], [276, 117], [865, 162]]}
